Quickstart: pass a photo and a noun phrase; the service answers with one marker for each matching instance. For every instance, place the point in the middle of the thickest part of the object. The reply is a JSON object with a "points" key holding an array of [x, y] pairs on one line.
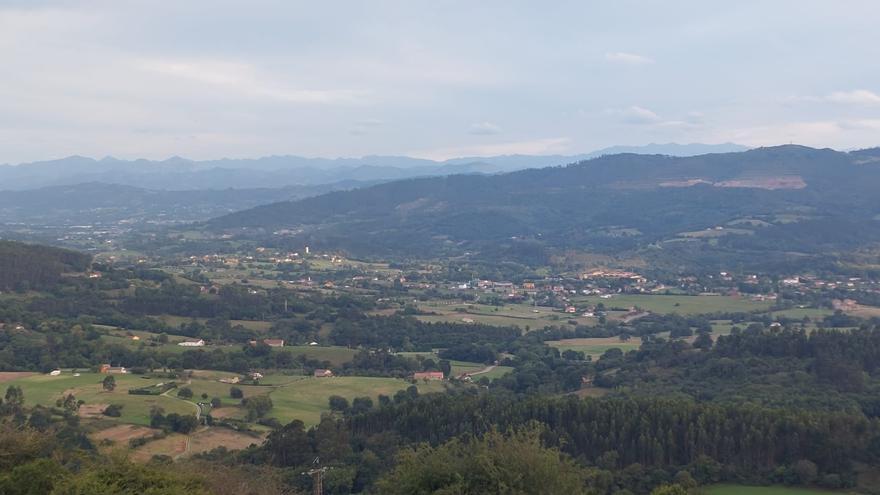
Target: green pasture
{"points": [[306, 399], [45, 390], [686, 305]]}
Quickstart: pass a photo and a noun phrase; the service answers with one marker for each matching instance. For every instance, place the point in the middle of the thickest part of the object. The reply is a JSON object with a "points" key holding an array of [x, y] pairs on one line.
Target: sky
{"points": [[431, 78]]}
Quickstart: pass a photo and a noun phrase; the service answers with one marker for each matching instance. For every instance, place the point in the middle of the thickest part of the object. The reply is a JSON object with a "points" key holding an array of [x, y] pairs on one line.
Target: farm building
{"points": [[274, 342], [106, 368], [322, 373], [428, 375], [192, 343]]}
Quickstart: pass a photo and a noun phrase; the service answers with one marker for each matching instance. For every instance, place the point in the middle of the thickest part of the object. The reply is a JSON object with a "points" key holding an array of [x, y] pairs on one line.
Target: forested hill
{"points": [[27, 266], [765, 198]]}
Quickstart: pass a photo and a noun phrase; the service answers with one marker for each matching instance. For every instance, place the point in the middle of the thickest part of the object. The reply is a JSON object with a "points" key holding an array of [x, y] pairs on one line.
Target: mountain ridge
{"points": [[177, 173], [586, 205]]}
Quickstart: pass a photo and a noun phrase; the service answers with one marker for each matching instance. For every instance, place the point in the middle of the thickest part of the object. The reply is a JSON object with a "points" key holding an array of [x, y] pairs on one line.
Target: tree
{"points": [[257, 406], [289, 445], [670, 490], [14, 396], [361, 405], [338, 403], [69, 404], [216, 402], [113, 410], [494, 464], [185, 393], [445, 367], [109, 383], [235, 393], [34, 478], [806, 471], [703, 341]]}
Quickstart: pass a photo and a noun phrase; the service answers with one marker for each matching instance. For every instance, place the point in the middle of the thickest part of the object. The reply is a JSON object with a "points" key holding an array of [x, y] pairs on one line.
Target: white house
{"points": [[192, 343]]}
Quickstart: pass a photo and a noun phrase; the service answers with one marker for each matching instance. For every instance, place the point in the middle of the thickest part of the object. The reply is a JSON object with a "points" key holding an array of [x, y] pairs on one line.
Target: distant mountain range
{"points": [[783, 204], [98, 203], [180, 174]]}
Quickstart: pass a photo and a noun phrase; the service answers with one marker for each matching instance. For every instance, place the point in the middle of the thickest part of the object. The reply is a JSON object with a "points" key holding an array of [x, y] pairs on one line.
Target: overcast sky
{"points": [[211, 79]]}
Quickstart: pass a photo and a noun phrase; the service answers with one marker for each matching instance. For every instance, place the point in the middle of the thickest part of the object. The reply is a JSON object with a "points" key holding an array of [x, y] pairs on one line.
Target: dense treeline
{"points": [[26, 266], [649, 432], [623, 444], [410, 334], [782, 367]]}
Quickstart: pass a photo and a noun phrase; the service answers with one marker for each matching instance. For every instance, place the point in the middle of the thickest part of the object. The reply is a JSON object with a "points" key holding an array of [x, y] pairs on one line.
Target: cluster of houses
{"points": [[734, 285]]}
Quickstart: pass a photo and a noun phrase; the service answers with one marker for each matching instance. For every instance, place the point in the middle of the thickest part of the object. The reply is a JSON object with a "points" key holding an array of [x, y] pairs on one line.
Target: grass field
{"points": [[306, 399], [597, 346], [497, 372], [45, 389], [294, 397], [764, 490], [678, 304], [799, 313], [519, 315], [336, 355]]}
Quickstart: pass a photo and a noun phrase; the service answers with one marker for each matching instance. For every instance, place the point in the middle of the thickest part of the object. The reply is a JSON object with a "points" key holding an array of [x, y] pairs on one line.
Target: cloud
{"points": [[845, 133], [363, 127], [627, 58], [531, 147], [484, 128], [246, 80], [854, 97], [636, 115]]}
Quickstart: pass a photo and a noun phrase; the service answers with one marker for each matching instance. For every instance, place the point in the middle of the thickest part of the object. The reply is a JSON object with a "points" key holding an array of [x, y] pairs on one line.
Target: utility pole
{"points": [[317, 474]]}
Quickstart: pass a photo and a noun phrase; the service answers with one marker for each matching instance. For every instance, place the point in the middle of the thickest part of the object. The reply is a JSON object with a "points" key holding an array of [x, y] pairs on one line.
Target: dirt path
{"points": [[479, 372], [198, 408]]}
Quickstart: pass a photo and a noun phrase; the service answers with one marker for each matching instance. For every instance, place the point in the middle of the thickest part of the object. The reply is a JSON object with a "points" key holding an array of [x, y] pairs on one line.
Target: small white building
{"points": [[54, 372], [192, 343]]}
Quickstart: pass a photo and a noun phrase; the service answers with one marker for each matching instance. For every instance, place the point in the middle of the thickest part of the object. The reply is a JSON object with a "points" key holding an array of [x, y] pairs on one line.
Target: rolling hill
{"points": [[788, 202], [28, 266]]}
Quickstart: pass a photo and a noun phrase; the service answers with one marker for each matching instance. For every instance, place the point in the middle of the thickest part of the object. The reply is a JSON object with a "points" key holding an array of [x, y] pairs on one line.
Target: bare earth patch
{"points": [[124, 433], [770, 183], [8, 376], [173, 446], [227, 412], [92, 410], [211, 438]]}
